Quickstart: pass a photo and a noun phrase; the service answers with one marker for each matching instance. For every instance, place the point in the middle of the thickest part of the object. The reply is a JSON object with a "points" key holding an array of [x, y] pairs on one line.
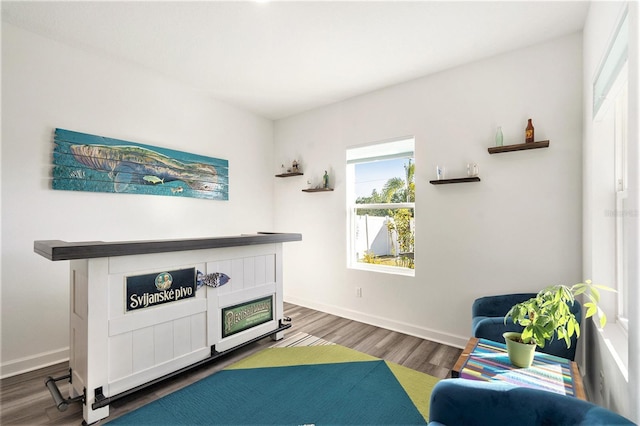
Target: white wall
{"points": [[609, 381], [517, 230], [47, 85]]}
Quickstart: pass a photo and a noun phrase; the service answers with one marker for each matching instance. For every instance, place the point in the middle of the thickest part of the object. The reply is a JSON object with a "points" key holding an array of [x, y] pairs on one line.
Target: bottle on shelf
{"points": [[499, 137], [529, 132]]}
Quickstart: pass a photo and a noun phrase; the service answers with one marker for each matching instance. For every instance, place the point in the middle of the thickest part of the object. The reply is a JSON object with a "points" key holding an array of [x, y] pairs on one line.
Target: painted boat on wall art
{"points": [[84, 162]]}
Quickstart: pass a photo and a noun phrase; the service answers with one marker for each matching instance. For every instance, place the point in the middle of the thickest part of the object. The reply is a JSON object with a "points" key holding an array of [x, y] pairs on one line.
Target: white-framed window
{"points": [[610, 113], [381, 206], [623, 213]]}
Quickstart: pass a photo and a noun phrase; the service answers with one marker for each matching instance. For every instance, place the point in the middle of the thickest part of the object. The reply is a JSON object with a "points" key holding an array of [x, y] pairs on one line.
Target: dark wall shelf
{"points": [[457, 180], [283, 175], [317, 190], [518, 147]]}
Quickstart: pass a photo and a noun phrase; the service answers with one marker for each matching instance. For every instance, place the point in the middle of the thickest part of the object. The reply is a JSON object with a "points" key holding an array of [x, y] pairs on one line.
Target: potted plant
{"points": [[547, 316]]}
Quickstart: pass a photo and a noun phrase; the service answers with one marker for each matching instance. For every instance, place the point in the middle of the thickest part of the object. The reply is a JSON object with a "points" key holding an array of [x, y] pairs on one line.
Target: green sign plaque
{"points": [[246, 315]]}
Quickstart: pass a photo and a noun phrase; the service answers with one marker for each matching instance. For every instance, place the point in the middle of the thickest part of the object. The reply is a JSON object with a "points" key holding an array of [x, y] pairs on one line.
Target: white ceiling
{"points": [[281, 58]]}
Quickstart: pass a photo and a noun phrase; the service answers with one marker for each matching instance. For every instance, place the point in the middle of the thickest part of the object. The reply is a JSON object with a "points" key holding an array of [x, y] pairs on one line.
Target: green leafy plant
{"points": [[405, 262], [401, 225], [369, 257], [548, 314]]}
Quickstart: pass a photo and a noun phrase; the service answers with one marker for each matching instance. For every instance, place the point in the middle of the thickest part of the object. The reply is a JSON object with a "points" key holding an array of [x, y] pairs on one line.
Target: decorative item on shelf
{"points": [[472, 169], [547, 316], [294, 170], [499, 137], [528, 133], [440, 172], [323, 186]]}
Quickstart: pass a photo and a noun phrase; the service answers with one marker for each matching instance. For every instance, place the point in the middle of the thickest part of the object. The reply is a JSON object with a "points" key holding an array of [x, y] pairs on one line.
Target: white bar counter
{"points": [[122, 338]]}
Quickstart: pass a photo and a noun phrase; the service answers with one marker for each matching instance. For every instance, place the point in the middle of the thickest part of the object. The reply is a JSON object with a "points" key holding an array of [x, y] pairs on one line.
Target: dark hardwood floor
{"points": [[26, 401]]}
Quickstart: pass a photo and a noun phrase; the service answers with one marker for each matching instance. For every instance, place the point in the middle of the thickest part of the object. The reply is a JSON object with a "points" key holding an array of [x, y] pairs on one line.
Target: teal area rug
{"points": [[316, 385]]}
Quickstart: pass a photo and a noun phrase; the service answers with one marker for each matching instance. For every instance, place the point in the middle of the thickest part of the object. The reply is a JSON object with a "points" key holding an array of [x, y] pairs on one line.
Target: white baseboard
{"points": [[389, 324], [34, 362]]}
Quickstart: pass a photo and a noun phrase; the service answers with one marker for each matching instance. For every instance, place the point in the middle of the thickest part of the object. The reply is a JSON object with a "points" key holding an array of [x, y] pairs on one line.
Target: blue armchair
{"points": [[470, 402], [487, 322]]}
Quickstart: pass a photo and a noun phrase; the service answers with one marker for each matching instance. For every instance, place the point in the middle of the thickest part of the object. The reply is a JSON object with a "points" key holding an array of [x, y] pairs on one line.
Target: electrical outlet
{"points": [[358, 291]]}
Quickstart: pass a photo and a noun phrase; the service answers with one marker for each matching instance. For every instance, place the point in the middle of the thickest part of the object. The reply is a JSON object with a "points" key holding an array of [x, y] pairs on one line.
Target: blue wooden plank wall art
{"points": [[84, 162]]}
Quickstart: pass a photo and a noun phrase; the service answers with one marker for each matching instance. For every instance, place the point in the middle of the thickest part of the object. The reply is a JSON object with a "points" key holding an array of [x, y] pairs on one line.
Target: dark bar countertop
{"points": [[63, 250]]}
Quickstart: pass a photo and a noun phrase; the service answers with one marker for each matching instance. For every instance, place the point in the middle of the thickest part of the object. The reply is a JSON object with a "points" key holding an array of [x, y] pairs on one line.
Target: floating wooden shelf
{"points": [[317, 190], [518, 147], [456, 180], [283, 175]]}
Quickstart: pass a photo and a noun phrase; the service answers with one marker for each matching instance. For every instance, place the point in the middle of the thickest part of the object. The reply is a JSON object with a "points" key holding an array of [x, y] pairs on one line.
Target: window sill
{"points": [[383, 269], [616, 340]]}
